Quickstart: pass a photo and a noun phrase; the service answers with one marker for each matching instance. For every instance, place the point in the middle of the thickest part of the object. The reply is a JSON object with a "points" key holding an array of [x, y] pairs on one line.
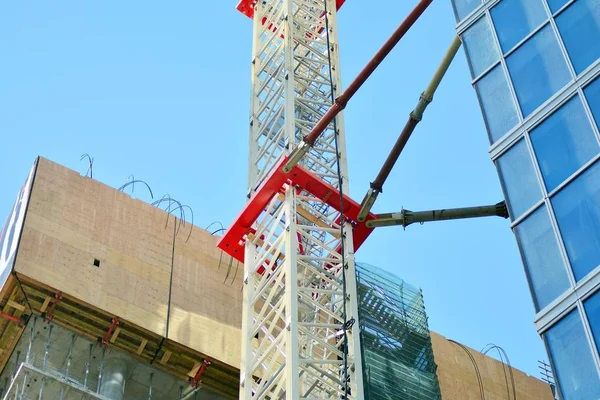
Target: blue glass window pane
{"points": [[521, 186], [462, 8], [543, 263], [592, 94], [563, 143], [592, 309], [555, 5], [497, 103], [572, 359], [480, 46], [538, 70], [579, 26], [577, 210], [515, 19]]}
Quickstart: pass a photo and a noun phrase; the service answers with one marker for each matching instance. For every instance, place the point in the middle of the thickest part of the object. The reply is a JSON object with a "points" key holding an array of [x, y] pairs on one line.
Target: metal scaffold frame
{"points": [[298, 340], [299, 231]]}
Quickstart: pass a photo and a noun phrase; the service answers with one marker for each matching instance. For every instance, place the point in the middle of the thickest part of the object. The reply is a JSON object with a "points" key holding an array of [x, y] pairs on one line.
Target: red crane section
{"points": [[233, 241], [246, 7]]}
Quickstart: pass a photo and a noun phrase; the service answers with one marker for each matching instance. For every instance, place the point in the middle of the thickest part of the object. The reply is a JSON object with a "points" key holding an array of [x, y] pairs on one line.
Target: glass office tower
{"points": [[535, 68]]}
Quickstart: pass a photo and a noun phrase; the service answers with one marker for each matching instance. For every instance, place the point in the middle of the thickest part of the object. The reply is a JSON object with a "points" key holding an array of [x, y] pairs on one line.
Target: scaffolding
{"points": [[52, 362], [395, 340]]}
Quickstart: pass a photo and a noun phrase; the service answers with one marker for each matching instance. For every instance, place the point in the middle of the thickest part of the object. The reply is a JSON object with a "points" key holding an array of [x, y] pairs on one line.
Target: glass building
{"points": [[535, 68]]}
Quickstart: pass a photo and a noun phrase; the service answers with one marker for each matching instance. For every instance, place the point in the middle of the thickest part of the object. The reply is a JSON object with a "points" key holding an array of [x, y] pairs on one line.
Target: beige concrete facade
{"points": [[458, 379], [73, 220], [185, 291]]}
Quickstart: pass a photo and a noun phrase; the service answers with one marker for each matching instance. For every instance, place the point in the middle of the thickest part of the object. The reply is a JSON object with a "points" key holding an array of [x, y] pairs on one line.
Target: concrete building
{"points": [[535, 67], [108, 297]]}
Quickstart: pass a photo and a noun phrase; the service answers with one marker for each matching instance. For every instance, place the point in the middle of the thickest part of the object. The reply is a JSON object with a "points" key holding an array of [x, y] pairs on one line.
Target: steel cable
{"points": [[342, 219]]}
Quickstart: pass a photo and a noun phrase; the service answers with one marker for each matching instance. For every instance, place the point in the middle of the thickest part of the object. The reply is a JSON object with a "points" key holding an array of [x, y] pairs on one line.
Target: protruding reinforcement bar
{"points": [[413, 119], [340, 103], [407, 217]]}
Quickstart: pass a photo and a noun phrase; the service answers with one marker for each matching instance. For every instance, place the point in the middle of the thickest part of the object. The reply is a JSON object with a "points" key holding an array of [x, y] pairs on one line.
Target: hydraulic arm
{"points": [[407, 217], [414, 118]]}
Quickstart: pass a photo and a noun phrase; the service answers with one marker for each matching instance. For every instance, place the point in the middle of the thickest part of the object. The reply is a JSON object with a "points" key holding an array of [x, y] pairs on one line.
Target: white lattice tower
{"points": [[295, 301]]}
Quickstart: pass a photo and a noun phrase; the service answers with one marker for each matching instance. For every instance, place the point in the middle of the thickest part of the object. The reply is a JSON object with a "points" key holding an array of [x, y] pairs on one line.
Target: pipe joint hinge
{"points": [[341, 103], [426, 98]]}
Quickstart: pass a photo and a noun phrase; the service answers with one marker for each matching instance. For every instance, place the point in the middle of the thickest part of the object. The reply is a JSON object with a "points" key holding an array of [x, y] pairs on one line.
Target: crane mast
{"points": [[299, 231], [300, 300]]}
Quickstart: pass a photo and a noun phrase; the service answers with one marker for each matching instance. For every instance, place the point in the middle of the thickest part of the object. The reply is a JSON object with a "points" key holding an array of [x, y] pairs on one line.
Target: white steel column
{"points": [[295, 310]]}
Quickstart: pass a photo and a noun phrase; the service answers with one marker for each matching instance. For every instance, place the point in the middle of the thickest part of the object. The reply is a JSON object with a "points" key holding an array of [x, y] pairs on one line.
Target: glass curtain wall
{"points": [[535, 68]]}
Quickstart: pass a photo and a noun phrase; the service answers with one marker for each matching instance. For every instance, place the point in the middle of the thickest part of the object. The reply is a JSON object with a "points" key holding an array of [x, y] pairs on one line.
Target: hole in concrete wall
{"points": [[96, 262]]}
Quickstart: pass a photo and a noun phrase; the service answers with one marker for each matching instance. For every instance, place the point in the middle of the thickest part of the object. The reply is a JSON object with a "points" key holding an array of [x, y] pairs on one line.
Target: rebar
{"points": [[47, 347], [150, 386], [41, 394], [25, 377], [16, 364], [87, 366], [30, 344], [69, 359], [100, 369], [45, 362]]}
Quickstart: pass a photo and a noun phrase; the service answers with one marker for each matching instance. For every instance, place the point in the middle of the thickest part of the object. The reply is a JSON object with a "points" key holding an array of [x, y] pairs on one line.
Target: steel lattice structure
{"points": [[300, 282], [299, 231]]}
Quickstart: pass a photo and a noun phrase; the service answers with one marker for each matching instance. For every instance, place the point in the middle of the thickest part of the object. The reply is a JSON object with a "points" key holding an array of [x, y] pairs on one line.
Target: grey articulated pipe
{"points": [[407, 217], [413, 119]]}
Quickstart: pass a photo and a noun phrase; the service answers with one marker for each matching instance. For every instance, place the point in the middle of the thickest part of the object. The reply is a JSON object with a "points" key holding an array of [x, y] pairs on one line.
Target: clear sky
{"points": [[161, 90]]}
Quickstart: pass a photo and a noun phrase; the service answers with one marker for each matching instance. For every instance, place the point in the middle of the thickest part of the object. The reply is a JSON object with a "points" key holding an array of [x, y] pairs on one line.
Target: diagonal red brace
{"points": [[50, 313], [111, 329], [196, 379]]}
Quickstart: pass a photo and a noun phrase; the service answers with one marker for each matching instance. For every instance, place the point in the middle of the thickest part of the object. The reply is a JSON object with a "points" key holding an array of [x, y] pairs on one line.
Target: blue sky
{"points": [[161, 90]]}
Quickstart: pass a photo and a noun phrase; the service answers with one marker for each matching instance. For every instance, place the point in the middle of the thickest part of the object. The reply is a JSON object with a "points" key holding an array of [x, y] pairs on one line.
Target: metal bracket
{"points": [[196, 379], [349, 324], [113, 326], [49, 316]]}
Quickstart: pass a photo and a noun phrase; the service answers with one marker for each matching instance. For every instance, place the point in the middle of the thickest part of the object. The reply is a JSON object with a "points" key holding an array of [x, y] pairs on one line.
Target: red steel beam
{"points": [[246, 7], [196, 379], [113, 325], [50, 313], [11, 318], [341, 102]]}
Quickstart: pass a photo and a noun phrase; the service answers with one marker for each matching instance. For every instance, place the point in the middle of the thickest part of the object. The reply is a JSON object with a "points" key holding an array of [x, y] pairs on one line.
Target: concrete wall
{"points": [[206, 304], [73, 220], [458, 380]]}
